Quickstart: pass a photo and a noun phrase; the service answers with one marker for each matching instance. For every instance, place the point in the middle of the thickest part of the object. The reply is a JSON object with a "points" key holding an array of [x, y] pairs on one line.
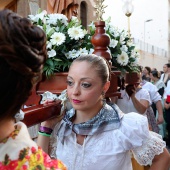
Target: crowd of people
{"points": [[150, 98], [161, 80], [90, 133]]}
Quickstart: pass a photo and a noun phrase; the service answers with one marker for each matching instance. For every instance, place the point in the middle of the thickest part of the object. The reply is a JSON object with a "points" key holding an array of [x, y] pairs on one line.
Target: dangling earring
{"points": [[103, 98], [103, 94]]}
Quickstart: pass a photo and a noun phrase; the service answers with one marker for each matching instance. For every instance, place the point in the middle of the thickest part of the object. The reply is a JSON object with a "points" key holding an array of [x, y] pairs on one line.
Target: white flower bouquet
{"points": [[68, 40], [125, 55], [65, 40]]}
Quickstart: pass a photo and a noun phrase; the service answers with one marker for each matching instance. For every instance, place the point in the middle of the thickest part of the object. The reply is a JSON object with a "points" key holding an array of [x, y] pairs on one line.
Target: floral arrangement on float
{"points": [[65, 40], [125, 54], [68, 40]]}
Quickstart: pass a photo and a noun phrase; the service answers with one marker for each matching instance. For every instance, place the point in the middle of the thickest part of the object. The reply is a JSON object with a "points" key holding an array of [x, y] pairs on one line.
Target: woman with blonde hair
{"points": [[95, 135]]}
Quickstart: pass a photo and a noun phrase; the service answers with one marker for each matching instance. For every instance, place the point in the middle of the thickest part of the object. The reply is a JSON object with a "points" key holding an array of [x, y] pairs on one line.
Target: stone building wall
{"points": [[91, 16], [23, 7], [153, 61]]}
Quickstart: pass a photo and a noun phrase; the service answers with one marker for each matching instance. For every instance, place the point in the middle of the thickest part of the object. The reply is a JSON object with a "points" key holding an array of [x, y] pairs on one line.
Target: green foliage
{"points": [[68, 40]]}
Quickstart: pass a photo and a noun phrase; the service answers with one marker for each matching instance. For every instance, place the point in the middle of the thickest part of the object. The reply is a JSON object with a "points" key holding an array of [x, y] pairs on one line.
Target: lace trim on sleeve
{"points": [[152, 146]]}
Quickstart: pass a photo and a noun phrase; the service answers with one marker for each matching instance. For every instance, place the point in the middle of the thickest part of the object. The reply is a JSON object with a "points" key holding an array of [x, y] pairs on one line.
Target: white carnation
{"points": [[92, 26], [113, 43], [36, 17], [76, 33], [51, 53], [75, 19], [91, 50], [72, 54], [123, 59], [58, 38], [49, 45], [53, 18], [83, 51], [124, 48]]}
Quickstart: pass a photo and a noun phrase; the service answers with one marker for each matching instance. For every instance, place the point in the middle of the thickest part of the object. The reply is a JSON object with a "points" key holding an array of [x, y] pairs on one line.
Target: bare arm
{"points": [[160, 112], [44, 141], [142, 105], [161, 162]]}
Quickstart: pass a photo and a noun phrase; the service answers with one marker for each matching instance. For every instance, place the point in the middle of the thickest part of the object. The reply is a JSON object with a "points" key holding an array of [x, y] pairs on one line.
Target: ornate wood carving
{"points": [[100, 41]]}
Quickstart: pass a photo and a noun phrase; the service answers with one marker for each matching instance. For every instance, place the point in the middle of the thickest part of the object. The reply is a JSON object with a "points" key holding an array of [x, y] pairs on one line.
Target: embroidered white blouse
{"points": [[19, 152], [110, 150]]}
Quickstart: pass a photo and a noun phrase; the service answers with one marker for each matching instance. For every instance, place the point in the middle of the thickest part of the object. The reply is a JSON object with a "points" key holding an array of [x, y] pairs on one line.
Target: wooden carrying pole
{"points": [[39, 113]]}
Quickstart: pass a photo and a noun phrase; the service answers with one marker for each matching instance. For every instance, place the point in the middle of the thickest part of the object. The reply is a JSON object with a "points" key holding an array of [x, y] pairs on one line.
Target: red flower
{"points": [[11, 166], [38, 157], [49, 162], [24, 167], [33, 150]]}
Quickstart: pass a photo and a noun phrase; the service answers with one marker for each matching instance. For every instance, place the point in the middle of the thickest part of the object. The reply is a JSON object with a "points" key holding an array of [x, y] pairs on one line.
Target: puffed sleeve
{"points": [[151, 146], [137, 137], [153, 91]]}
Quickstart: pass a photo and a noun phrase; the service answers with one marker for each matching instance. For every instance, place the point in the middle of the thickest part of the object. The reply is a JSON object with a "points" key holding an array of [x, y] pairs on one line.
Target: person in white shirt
{"points": [[138, 100], [166, 75], [155, 77], [155, 97], [157, 82], [95, 135]]}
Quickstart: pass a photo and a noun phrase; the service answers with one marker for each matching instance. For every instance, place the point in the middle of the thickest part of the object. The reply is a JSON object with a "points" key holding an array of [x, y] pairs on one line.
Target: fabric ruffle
{"points": [[152, 146]]}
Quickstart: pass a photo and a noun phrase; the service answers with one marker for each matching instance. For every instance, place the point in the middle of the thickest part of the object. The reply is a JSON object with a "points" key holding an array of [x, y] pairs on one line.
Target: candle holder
{"points": [[128, 9]]}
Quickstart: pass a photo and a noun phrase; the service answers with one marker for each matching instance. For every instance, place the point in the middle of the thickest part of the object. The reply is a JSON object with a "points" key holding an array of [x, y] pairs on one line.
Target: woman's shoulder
{"points": [[142, 91], [149, 86], [132, 121], [20, 136], [134, 125], [30, 158], [23, 153], [143, 94]]}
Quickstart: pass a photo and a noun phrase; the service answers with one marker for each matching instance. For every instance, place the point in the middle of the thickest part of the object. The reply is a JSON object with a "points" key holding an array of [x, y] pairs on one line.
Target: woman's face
{"points": [[84, 87], [152, 77], [165, 68], [145, 71]]}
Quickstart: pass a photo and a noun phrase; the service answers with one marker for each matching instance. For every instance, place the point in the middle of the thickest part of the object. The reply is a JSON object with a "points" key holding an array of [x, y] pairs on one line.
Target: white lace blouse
{"points": [[110, 150]]}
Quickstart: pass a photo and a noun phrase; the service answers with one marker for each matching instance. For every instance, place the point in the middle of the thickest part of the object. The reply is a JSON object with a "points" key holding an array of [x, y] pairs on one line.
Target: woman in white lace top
{"points": [[94, 135]]}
